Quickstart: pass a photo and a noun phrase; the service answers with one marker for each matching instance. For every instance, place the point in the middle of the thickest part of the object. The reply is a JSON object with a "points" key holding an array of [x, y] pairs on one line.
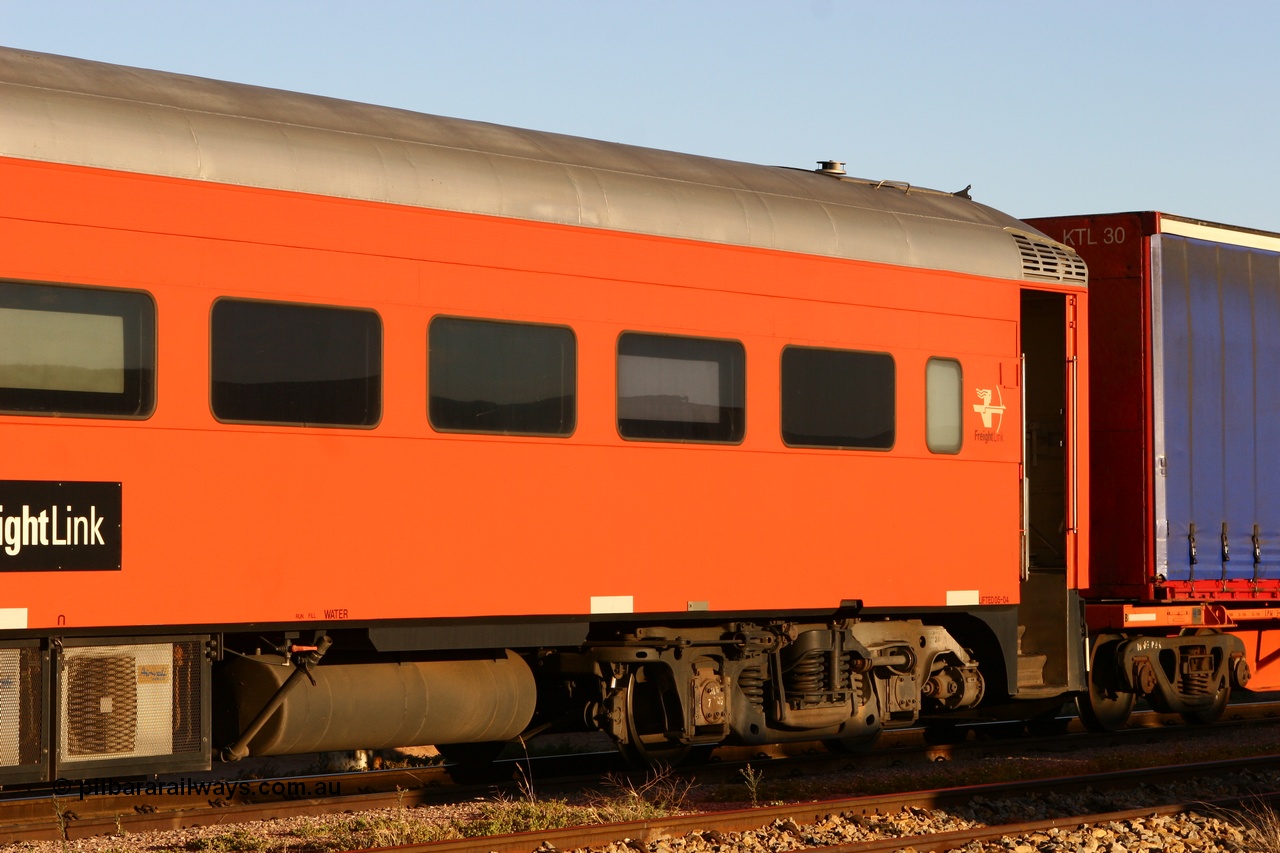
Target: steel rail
{"points": [[943, 842], [801, 814], [59, 818]]}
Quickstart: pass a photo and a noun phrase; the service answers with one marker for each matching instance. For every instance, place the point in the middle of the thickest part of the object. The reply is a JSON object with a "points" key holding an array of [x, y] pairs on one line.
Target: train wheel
{"points": [[1211, 712], [1103, 708], [639, 753], [1101, 711], [653, 712]]}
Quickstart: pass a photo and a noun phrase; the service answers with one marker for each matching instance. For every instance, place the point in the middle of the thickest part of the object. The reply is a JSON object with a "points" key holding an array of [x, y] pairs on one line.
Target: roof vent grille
{"points": [[1049, 261]]}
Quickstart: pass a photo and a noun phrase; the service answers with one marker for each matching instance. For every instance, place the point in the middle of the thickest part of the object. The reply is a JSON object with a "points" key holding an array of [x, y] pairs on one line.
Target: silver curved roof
{"points": [[72, 111]]}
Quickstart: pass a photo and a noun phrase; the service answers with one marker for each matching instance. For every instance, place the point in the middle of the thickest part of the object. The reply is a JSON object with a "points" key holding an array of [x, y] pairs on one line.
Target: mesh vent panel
{"points": [[1048, 261], [187, 660], [129, 702], [21, 712], [102, 706]]}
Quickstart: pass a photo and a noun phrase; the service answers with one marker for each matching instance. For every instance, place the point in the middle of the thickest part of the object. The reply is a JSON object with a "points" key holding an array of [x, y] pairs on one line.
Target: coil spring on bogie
{"points": [[1196, 683], [751, 683], [1196, 672], [844, 677], [807, 676]]}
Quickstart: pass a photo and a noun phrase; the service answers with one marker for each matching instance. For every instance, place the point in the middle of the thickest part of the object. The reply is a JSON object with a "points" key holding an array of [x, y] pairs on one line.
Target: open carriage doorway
{"points": [[1048, 482]]}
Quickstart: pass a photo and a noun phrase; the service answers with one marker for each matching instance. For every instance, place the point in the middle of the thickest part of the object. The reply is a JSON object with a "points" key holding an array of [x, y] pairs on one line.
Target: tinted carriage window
{"points": [[680, 389], [307, 365], [486, 376], [76, 351], [944, 381], [837, 398]]}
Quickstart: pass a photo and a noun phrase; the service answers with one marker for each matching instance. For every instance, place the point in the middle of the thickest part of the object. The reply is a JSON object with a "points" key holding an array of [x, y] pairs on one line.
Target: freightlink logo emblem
{"points": [[987, 410], [59, 526]]}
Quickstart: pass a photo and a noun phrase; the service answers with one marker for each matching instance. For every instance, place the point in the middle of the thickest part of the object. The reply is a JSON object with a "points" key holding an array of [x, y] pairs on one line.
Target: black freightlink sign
{"points": [[59, 526]]}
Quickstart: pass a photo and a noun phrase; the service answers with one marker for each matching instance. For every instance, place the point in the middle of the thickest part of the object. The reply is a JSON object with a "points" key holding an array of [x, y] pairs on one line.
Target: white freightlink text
{"points": [[48, 527]]}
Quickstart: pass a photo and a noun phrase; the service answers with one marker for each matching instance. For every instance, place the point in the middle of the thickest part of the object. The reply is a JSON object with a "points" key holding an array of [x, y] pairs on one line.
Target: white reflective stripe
{"points": [[1139, 617], [13, 617], [1220, 234], [957, 597], [613, 604]]}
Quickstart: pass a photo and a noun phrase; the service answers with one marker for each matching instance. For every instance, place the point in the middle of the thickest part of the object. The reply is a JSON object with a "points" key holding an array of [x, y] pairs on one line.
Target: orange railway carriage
{"points": [[334, 426]]}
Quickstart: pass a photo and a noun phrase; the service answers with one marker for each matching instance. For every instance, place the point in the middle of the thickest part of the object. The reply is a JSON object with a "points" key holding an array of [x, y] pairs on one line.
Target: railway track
{"points": [[1066, 812], [106, 807], [850, 824]]}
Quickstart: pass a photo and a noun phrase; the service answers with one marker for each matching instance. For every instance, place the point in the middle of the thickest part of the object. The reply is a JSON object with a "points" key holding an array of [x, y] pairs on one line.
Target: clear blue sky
{"points": [[1046, 108]]}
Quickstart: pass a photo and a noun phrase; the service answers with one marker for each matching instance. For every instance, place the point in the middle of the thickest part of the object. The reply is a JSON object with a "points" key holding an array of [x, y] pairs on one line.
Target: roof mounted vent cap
{"points": [[1048, 260], [831, 167]]}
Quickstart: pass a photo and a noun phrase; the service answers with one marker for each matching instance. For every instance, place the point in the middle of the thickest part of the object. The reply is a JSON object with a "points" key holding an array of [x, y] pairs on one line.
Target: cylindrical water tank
{"points": [[382, 705]]}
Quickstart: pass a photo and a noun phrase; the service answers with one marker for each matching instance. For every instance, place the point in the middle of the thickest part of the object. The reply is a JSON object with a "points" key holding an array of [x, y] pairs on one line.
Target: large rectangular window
{"points": [[509, 378], [306, 365], [944, 382], [76, 351], [837, 398], [680, 389]]}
